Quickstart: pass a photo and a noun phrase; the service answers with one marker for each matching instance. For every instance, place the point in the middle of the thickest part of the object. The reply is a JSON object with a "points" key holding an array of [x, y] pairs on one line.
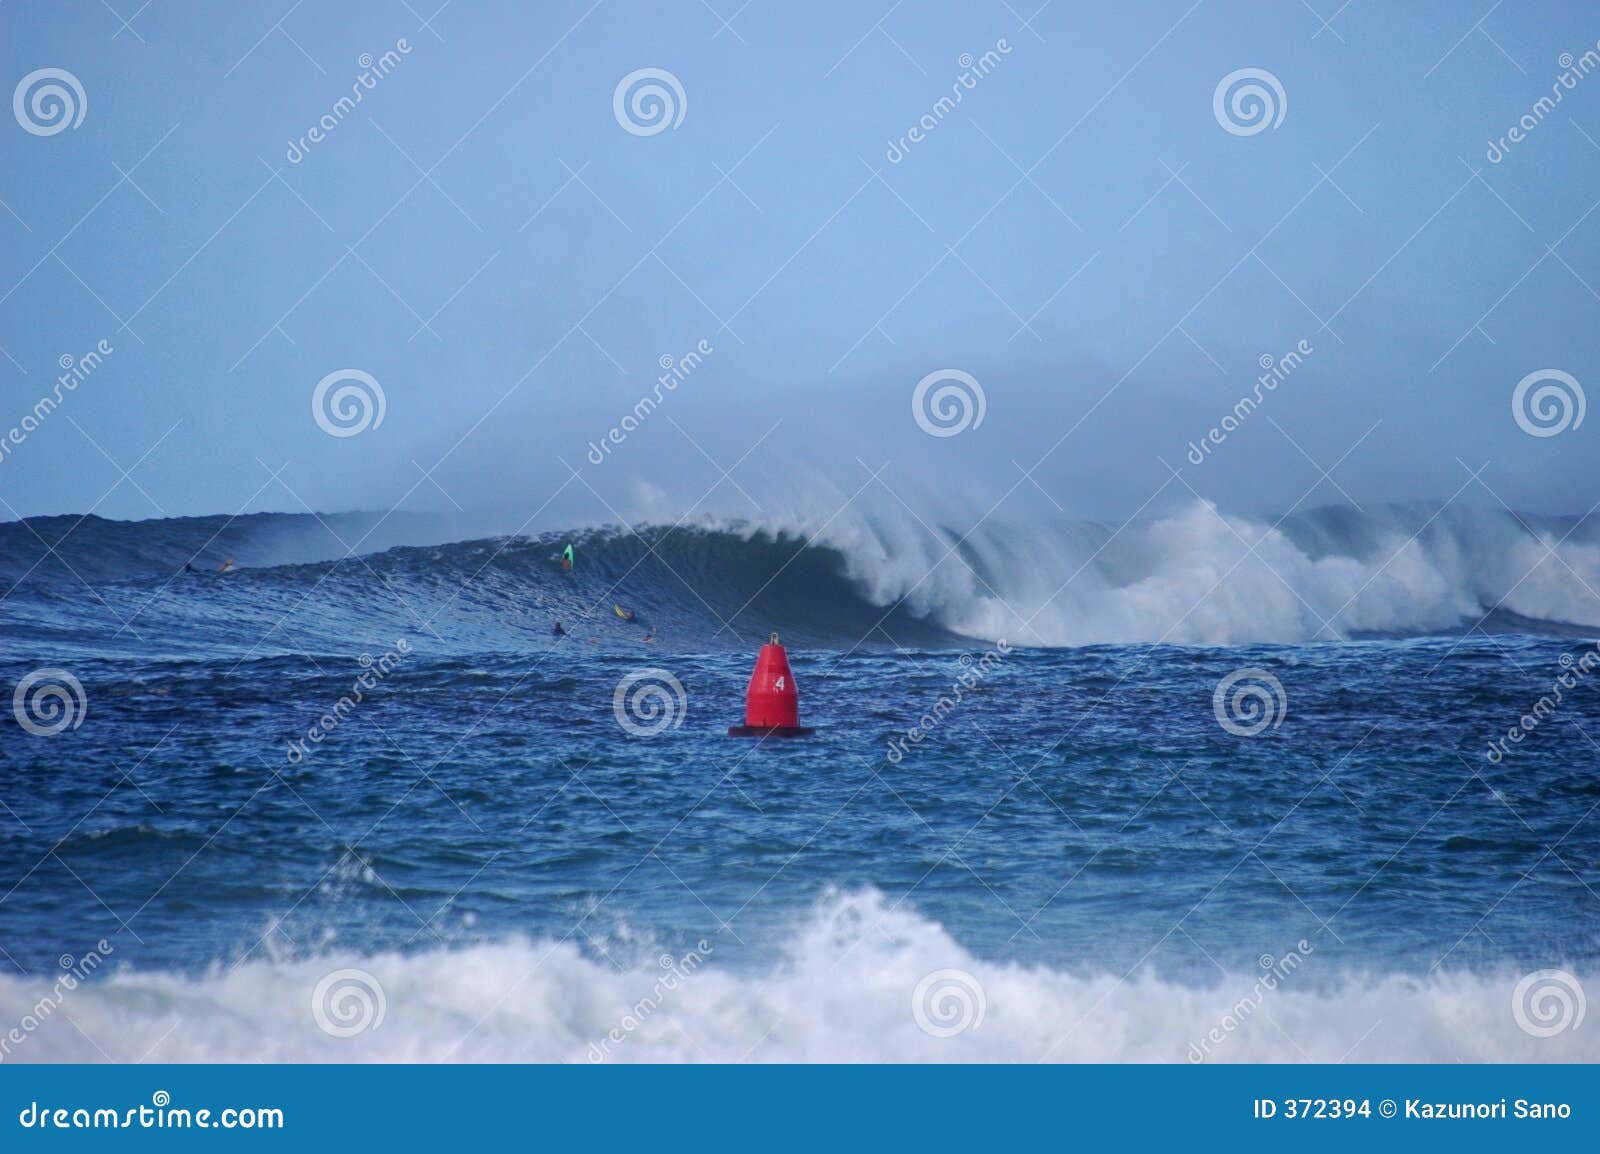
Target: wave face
{"points": [[1197, 577], [859, 980]]}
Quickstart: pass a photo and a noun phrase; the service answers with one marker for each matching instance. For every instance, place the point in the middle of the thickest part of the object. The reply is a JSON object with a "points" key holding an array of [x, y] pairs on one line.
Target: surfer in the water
{"points": [[558, 631], [567, 558], [225, 566], [625, 614]]}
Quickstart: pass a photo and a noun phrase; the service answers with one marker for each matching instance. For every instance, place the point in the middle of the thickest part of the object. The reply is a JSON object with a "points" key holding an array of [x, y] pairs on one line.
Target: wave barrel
{"points": [[771, 701]]}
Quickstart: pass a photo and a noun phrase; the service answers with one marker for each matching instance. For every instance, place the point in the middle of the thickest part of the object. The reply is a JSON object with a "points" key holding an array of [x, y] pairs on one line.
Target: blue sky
{"points": [[1081, 234]]}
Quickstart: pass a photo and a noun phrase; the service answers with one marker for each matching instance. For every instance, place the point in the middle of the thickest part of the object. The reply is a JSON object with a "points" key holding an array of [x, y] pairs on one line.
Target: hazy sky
{"points": [[1082, 233]]}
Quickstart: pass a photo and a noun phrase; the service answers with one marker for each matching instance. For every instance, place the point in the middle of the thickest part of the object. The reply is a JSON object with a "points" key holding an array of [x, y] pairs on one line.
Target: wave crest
{"points": [[1198, 576]]}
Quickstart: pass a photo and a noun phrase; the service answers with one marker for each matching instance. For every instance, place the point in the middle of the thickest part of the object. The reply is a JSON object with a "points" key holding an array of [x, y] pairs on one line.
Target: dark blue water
{"points": [[1074, 814]]}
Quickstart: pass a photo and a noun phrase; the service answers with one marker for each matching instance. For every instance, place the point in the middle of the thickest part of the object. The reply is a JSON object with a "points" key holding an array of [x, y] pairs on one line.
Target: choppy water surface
{"points": [[1076, 831]]}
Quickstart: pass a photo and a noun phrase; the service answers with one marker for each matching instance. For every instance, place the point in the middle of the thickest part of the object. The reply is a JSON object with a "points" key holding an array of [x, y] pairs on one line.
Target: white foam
{"points": [[843, 993], [1204, 577]]}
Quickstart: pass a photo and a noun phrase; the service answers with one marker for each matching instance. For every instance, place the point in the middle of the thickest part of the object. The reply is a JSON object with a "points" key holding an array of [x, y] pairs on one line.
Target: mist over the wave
{"points": [[1113, 314], [732, 438]]}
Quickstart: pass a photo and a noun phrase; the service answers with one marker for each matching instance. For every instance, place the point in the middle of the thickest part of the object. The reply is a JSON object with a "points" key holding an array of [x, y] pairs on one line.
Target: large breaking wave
{"points": [[1198, 576]]}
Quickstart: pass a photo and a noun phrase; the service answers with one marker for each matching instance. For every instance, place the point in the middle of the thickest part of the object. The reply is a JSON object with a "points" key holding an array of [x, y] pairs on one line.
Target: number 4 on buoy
{"points": [[771, 702]]}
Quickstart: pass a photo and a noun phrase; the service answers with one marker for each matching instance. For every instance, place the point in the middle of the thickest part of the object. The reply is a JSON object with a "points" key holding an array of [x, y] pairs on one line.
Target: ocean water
{"points": [[1196, 789]]}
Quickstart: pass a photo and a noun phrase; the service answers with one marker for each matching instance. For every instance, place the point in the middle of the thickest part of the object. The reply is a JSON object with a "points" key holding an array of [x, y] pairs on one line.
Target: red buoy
{"points": [[771, 702]]}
